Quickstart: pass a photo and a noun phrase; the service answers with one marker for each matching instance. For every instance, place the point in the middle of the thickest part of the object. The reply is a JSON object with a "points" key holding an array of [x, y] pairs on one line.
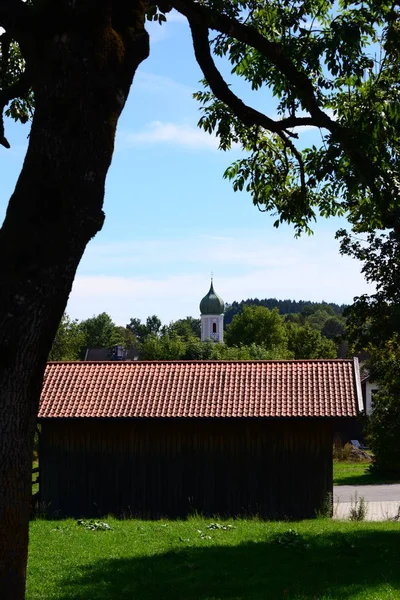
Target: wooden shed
{"points": [[165, 439]]}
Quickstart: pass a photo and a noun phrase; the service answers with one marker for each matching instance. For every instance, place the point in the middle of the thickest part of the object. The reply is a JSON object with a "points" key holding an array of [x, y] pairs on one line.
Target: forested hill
{"points": [[285, 307]]}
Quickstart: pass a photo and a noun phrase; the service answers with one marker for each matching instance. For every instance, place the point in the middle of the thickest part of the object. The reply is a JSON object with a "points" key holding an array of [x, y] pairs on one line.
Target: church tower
{"points": [[212, 317]]}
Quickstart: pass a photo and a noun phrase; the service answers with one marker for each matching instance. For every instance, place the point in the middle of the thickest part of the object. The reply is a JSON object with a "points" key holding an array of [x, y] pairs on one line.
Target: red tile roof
{"points": [[297, 388]]}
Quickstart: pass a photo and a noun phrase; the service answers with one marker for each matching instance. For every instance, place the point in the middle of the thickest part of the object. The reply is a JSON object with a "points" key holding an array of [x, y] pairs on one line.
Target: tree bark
{"points": [[82, 63]]}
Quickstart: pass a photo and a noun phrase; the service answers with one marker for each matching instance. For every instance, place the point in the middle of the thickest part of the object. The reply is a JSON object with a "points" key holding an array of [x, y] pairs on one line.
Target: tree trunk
{"points": [[82, 65]]}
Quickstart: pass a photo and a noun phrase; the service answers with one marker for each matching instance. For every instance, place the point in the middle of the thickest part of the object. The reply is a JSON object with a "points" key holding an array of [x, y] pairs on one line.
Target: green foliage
{"points": [[317, 319], [74, 337], [334, 328], [384, 433], [373, 325], [343, 79], [291, 539], [280, 339], [93, 525], [195, 349], [257, 325], [174, 347], [340, 452], [375, 319], [326, 511], [165, 347], [312, 308], [180, 340], [285, 307], [141, 331], [124, 337], [251, 352], [186, 328], [305, 343], [358, 508], [21, 107], [155, 14], [220, 526], [101, 332], [383, 429], [69, 340]]}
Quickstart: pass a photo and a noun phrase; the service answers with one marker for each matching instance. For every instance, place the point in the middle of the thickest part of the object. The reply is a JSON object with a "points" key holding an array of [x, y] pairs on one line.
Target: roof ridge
{"points": [[191, 362]]}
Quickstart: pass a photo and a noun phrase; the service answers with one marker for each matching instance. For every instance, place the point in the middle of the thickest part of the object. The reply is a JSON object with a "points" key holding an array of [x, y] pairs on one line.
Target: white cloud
{"points": [[175, 134], [235, 252], [151, 82], [169, 277]]}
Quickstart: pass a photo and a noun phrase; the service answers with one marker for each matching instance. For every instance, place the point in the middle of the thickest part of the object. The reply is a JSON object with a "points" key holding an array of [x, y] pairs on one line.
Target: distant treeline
{"points": [[284, 307]]}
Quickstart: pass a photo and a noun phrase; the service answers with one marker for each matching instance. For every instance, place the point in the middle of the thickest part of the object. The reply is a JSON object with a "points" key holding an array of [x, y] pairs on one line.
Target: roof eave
{"points": [[357, 383]]}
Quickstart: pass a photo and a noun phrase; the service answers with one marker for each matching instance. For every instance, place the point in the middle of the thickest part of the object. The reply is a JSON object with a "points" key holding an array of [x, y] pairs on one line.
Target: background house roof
{"points": [[298, 388], [105, 354]]}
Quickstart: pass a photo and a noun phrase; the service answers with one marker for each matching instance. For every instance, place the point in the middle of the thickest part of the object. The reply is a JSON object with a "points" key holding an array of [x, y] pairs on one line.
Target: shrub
{"points": [[383, 434], [326, 511], [358, 508], [342, 452]]}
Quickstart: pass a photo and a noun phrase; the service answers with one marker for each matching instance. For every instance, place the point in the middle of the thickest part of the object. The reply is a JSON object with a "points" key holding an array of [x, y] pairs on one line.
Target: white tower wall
{"points": [[212, 328]]}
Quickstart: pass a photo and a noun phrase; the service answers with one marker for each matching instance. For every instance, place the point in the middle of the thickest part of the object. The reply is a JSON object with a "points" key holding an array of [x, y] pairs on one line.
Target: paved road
{"points": [[383, 501], [371, 493]]}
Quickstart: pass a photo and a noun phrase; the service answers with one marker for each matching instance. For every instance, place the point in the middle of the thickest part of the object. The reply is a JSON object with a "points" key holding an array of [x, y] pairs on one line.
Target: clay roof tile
{"points": [[304, 388]]}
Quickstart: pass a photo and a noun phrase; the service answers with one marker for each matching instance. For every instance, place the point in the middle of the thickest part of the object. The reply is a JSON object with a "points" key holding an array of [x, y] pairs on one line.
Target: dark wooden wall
{"points": [[171, 468]]}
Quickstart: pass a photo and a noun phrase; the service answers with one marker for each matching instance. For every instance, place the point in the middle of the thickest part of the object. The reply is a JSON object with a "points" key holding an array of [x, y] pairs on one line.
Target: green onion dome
{"points": [[212, 304]]}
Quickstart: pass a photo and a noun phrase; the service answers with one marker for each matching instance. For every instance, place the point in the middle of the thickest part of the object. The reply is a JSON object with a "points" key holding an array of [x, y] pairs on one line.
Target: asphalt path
{"points": [[370, 493]]}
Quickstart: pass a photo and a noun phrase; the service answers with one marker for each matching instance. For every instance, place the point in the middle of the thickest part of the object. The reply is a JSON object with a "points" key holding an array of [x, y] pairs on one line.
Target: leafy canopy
{"points": [[256, 324], [330, 65], [374, 319]]}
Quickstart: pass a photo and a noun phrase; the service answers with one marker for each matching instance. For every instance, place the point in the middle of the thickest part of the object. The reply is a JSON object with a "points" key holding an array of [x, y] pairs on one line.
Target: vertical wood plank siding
{"points": [[171, 468]]}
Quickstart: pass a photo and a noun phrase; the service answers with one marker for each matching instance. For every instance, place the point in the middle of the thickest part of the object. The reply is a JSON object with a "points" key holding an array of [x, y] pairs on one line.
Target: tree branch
{"points": [[200, 14], [5, 41], [288, 143], [293, 121], [14, 16], [248, 115], [17, 89], [201, 18]]}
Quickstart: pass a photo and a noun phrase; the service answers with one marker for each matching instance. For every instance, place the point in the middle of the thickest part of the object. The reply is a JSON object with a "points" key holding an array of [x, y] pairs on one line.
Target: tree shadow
{"points": [[366, 479], [289, 567]]}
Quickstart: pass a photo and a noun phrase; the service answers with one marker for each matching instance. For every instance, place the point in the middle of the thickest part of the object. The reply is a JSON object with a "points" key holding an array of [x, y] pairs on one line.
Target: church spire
{"points": [[212, 317]]}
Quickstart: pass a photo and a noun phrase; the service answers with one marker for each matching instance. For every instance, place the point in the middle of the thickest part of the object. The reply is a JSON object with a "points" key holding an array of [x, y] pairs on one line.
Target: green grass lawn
{"points": [[356, 473], [186, 560]]}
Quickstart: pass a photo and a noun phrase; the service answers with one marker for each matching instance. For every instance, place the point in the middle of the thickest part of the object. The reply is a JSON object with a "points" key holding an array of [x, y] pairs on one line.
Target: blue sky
{"points": [[171, 218]]}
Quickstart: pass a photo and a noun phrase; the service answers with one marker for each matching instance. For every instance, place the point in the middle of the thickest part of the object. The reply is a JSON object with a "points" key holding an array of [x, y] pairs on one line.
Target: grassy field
{"points": [[356, 473], [189, 560]]}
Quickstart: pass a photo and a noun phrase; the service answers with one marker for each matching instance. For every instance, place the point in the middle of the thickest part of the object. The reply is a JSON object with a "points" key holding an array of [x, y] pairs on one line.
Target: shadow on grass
{"points": [[367, 478], [333, 565]]}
